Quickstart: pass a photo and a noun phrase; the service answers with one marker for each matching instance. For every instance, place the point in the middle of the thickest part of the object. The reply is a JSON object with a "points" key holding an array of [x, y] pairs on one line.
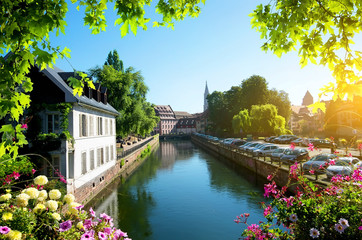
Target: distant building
{"points": [[307, 99], [180, 114], [206, 93], [303, 120], [186, 125], [168, 120]]}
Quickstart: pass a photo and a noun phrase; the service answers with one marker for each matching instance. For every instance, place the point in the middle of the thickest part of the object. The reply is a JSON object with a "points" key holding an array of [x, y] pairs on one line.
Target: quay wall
{"points": [[255, 164], [131, 162]]}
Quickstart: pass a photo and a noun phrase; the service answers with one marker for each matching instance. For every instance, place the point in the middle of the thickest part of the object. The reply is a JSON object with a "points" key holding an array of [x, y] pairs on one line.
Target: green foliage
{"points": [[322, 32], [24, 31], [113, 59], [127, 94], [225, 107]]}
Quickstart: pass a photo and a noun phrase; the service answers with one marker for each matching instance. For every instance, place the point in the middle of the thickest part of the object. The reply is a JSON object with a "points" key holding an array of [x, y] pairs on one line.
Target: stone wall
{"points": [[254, 164], [89, 190]]}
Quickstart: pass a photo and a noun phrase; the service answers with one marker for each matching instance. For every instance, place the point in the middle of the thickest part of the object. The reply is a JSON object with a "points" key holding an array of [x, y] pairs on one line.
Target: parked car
{"points": [[276, 154], [296, 155], [270, 139], [265, 150], [300, 142], [315, 162], [285, 139], [242, 147], [323, 143], [228, 141], [250, 149], [251, 145], [238, 142], [344, 166]]}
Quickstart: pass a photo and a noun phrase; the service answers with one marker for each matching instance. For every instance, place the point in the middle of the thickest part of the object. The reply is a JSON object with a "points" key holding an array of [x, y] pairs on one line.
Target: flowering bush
{"points": [[332, 212], [35, 213]]}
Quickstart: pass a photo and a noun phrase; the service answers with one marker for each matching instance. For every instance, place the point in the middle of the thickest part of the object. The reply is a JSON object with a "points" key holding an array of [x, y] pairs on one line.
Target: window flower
{"points": [[102, 236], [293, 217], [43, 194], [52, 205], [69, 198], [339, 228], [22, 199], [65, 226], [56, 216], [5, 197], [54, 194], [7, 216], [32, 192], [344, 223], [14, 235], [314, 233], [73, 208], [4, 229], [39, 208], [41, 180]]}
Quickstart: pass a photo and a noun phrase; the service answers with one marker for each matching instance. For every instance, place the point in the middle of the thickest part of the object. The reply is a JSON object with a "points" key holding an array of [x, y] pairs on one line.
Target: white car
{"points": [[344, 166], [264, 151]]}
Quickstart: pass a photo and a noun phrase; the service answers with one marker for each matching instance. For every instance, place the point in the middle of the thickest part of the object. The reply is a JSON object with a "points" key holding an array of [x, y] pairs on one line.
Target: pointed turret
{"points": [[308, 99], [206, 105]]}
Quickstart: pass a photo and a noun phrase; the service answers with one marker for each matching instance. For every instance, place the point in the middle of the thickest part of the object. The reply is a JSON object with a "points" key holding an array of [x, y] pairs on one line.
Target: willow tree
{"points": [[322, 31], [24, 31]]}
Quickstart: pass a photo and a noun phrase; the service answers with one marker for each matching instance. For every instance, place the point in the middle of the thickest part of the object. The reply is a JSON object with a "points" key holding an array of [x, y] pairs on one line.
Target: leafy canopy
{"points": [[322, 31]]}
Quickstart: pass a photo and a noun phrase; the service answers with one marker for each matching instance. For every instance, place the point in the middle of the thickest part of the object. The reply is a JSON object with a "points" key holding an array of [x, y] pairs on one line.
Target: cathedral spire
{"points": [[206, 105]]}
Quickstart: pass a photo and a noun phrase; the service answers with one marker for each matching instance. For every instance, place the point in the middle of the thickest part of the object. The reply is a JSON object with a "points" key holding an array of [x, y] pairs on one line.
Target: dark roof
{"points": [[58, 77]]}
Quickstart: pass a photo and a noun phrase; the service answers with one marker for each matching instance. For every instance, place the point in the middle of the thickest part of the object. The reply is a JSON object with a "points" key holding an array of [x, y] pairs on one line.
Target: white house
{"points": [[91, 123]]}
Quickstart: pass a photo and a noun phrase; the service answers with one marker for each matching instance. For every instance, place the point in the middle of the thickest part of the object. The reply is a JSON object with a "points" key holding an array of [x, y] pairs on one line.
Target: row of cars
{"points": [[298, 141], [329, 164]]}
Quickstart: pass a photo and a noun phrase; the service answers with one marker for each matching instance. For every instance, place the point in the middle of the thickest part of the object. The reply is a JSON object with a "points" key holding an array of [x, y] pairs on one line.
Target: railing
{"points": [[131, 150]]}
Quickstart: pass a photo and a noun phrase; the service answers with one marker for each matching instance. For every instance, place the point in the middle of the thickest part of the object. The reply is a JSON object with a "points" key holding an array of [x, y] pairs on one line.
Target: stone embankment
{"points": [[124, 167], [261, 166]]}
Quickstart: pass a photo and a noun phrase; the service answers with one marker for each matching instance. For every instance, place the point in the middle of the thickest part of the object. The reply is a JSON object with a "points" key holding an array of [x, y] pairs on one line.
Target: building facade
{"points": [[91, 122], [168, 120]]}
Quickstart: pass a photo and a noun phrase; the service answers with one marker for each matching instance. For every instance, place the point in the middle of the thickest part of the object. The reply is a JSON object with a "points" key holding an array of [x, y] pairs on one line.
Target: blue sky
{"points": [[218, 47]]}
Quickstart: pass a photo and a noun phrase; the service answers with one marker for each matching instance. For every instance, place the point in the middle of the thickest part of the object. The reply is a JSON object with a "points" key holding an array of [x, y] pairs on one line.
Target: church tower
{"points": [[206, 105], [308, 99]]}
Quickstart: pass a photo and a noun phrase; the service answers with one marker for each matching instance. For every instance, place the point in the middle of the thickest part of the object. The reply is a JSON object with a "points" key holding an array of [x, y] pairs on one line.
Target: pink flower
{"points": [[292, 146], [311, 147], [65, 226], [349, 154], [33, 171], [311, 171], [270, 177], [24, 126], [92, 213], [332, 162], [268, 210], [4, 229], [15, 175]]}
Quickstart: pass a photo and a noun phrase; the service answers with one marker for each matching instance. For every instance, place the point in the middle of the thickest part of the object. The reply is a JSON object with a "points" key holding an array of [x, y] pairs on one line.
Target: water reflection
{"points": [[182, 192]]}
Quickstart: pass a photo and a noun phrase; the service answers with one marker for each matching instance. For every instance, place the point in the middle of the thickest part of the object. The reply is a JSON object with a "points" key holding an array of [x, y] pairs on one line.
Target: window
{"points": [[53, 123], [83, 125], [107, 154], [84, 162], [111, 126], [91, 158], [91, 126], [100, 158], [112, 152], [99, 126]]}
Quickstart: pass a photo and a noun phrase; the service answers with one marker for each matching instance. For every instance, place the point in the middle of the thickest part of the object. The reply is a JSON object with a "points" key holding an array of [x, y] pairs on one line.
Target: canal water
{"points": [[182, 192]]}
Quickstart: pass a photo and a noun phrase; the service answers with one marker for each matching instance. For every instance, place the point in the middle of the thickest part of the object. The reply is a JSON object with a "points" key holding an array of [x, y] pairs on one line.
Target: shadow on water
{"points": [[182, 191]]}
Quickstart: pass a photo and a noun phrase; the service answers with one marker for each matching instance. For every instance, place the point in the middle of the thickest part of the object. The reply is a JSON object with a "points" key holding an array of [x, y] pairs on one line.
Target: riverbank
{"points": [[124, 167], [260, 166]]}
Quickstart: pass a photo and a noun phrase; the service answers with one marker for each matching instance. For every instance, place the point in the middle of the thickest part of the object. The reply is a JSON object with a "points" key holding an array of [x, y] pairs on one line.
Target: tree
{"points": [[24, 31], [113, 59], [242, 122], [218, 112], [127, 94], [254, 91], [280, 100], [265, 120], [322, 32]]}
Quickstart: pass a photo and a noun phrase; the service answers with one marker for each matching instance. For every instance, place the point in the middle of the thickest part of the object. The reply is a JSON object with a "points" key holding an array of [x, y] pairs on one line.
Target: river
{"points": [[182, 192]]}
